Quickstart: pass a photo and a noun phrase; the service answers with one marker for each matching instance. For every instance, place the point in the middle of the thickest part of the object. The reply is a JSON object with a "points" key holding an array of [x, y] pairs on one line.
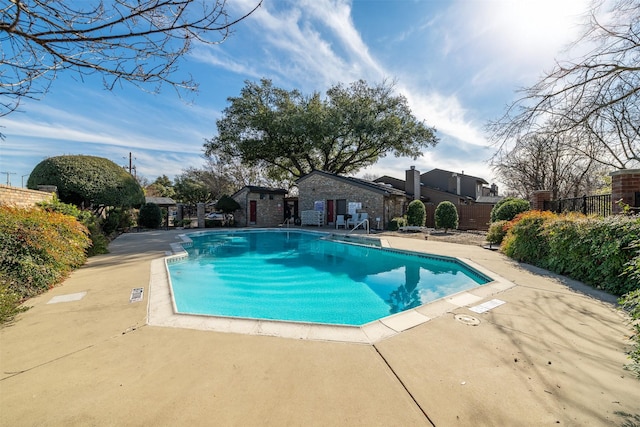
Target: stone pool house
{"points": [[323, 197], [260, 206]]}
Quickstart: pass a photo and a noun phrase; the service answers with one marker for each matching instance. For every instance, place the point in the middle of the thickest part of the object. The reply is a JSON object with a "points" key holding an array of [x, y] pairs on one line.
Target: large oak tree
{"points": [[292, 134]]}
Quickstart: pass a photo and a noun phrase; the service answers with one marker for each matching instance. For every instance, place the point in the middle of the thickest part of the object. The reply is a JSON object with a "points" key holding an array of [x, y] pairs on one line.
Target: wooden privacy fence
{"points": [[470, 217]]}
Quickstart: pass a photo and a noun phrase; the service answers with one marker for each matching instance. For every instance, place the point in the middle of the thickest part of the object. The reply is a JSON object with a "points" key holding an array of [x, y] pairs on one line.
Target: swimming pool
{"points": [[307, 277]]}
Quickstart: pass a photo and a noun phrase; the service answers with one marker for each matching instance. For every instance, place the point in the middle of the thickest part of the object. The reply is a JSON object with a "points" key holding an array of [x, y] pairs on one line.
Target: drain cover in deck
{"points": [[136, 294], [467, 320]]}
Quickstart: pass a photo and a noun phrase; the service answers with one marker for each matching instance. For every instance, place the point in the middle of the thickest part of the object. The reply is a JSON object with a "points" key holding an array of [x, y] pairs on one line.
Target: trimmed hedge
{"points": [[88, 181], [446, 216], [38, 250], [603, 253], [150, 216], [416, 214]]}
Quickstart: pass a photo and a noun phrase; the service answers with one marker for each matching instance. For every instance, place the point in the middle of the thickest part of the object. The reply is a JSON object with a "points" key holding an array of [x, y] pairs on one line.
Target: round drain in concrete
{"points": [[467, 320]]}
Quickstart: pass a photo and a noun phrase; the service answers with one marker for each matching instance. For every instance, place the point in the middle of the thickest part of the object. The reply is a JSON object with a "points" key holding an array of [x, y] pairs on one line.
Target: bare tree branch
{"points": [[137, 41], [596, 96]]}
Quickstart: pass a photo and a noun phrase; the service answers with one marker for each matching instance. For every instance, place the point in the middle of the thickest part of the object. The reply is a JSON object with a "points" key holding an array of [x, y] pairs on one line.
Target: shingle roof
{"points": [[160, 201], [369, 185]]}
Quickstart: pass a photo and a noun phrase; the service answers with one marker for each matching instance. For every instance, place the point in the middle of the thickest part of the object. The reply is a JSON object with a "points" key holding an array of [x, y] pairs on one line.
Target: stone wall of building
{"points": [[22, 197], [320, 188]]}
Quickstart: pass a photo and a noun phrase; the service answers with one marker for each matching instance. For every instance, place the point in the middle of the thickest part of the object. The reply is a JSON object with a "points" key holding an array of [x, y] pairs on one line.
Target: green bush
{"points": [[507, 209], [88, 181], [496, 232], [497, 206], [396, 223], [446, 216], [99, 242], [118, 219], [524, 240], [603, 253], [38, 250], [631, 303], [9, 302], [416, 214], [150, 216]]}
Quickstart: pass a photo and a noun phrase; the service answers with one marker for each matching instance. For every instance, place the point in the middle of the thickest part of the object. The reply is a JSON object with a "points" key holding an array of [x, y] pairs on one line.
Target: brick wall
{"points": [[539, 197], [321, 188], [624, 185], [22, 197]]}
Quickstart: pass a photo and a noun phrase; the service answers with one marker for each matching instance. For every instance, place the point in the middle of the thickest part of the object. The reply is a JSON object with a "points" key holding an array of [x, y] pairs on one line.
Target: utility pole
{"points": [[131, 165], [8, 179]]}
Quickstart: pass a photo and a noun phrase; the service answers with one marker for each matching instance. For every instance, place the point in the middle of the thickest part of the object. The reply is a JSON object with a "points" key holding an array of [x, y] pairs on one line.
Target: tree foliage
{"points": [[592, 101], [88, 181], [140, 42], [227, 205], [292, 134], [446, 216], [161, 187], [190, 187]]}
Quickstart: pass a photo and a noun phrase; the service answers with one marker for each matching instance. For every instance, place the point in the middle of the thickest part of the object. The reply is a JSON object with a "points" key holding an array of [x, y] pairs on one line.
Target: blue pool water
{"points": [[305, 277]]}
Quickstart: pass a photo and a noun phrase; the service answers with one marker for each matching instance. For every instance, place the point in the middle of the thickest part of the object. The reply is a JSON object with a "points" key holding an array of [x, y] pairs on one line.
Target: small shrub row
{"points": [[38, 249], [600, 252]]}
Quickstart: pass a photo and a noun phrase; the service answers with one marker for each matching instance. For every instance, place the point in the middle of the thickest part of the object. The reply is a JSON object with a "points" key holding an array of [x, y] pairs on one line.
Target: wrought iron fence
{"points": [[588, 205]]}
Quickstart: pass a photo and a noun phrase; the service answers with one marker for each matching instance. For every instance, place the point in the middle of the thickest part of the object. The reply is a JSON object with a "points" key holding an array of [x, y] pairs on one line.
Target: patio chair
{"points": [[340, 222]]}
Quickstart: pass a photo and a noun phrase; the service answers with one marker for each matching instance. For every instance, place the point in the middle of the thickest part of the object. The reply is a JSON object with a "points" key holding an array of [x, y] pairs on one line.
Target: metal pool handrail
{"points": [[364, 222]]}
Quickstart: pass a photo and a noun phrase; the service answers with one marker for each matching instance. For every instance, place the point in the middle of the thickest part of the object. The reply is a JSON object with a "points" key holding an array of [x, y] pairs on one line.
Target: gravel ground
{"points": [[473, 237]]}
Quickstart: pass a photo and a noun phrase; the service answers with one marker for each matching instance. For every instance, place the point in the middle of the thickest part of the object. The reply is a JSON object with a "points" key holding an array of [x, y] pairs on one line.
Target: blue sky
{"points": [[458, 63]]}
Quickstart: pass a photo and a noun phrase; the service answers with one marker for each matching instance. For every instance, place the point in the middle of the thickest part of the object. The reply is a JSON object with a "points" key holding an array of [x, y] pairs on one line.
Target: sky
{"points": [[458, 63]]}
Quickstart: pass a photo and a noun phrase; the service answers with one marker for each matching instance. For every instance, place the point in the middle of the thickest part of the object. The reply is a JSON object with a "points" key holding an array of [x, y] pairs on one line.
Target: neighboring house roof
{"points": [[369, 185], [257, 189], [445, 173], [160, 201], [394, 182], [489, 199]]}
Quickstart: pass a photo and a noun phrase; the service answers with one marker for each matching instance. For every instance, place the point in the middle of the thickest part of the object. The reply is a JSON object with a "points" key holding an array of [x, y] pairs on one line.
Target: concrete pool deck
{"points": [[549, 355]]}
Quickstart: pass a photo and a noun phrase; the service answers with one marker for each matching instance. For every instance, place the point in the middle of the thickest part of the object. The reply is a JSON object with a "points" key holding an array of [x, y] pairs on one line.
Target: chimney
{"points": [[454, 184], [412, 183]]}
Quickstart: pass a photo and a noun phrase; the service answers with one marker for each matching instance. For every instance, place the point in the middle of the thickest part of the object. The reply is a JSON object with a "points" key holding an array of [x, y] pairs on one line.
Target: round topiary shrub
{"points": [[416, 214], [509, 210], [150, 216], [88, 181], [446, 216]]}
